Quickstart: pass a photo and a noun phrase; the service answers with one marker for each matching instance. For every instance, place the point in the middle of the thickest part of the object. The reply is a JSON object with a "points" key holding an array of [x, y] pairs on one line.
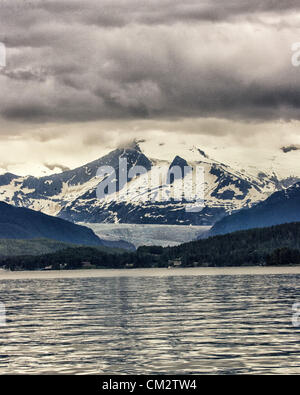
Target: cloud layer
{"points": [[84, 76], [71, 61]]}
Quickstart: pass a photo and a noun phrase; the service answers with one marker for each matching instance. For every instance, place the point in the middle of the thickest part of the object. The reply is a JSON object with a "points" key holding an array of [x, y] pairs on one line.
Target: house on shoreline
{"points": [[175, 262]]}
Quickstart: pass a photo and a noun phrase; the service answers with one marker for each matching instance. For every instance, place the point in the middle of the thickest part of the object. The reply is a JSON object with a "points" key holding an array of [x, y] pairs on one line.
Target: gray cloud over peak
{"points": [[53, 166], [79, 61]]}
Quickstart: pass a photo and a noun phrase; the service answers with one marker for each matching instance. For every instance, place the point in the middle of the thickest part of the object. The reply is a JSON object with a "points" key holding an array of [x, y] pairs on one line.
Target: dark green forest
{"points": [[276, 245], [14, 247]]}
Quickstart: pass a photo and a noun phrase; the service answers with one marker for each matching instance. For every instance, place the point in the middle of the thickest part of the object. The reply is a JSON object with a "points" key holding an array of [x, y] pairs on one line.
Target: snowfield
{"points": [[73, 194]]}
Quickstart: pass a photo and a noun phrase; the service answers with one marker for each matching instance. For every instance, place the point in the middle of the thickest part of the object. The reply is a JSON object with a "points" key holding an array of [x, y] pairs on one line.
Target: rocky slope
{"points": [[71, 195], [281, 207]]}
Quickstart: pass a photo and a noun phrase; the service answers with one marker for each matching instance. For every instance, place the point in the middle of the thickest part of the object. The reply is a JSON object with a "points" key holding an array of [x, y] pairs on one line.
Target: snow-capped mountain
{"points": [[281, 207], [72, 194]]}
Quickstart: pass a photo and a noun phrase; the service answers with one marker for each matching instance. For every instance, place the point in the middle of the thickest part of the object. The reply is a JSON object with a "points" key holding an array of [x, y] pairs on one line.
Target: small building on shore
{"points": [[129, 265], [175, 263]]}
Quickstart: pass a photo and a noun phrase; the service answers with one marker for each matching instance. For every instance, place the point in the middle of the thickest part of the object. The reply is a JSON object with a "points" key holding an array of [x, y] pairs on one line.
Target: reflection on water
{"points": [[151, 324]]}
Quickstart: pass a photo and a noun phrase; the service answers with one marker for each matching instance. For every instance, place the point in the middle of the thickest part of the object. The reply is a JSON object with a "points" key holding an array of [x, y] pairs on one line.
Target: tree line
{"points": [[276, 245]]}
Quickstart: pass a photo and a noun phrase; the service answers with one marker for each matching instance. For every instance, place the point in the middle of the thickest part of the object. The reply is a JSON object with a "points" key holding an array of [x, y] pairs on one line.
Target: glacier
{"points": [[141, 234]]}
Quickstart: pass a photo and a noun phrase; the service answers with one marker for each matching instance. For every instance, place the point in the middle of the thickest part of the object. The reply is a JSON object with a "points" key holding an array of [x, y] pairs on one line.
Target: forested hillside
{"points": [[276, 245]]}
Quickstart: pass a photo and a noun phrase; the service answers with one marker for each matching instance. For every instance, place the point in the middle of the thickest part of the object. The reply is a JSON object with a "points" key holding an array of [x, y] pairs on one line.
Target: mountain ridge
{"points": [[23, 223], [279, 208], [71, 195]]}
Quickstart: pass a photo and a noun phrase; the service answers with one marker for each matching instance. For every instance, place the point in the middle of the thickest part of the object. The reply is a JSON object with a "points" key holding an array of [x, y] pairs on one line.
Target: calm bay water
{"points": [[150, 321]]}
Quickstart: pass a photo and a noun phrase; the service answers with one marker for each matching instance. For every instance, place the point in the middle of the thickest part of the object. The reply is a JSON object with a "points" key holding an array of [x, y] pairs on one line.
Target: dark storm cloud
{"points": [[71, 61], [26, 112], [114, 13], [25, 74], [118, 13]]}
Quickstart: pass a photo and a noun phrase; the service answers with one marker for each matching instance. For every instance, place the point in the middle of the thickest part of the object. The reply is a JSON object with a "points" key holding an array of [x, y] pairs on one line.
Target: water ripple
{"points": [[150, 324]]}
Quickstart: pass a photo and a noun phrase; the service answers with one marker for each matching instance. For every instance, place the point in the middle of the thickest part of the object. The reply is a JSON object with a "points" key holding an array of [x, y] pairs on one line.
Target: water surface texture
{"points": [[151, 321]]}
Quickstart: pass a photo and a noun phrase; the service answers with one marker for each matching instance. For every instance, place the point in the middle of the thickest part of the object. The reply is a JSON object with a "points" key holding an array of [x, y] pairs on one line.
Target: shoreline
{"points": [[151, 272]]}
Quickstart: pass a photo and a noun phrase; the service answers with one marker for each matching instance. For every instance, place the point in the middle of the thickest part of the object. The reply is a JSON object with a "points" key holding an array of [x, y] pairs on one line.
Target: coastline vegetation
{"points": [[276, 245]]}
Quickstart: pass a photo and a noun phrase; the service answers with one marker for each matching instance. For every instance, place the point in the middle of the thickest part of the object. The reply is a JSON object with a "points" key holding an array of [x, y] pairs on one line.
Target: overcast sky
{"points": [[83, 76]]}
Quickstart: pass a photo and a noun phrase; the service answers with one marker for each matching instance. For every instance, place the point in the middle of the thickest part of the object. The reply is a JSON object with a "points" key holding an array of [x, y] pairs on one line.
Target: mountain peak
{"points": [[7, 178], [178, 161]]}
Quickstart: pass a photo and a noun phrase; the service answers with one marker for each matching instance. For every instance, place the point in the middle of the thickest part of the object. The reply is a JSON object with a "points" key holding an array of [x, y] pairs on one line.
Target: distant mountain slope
{"points": [[22, 223], [281, 207], [71, 195], [15, 247]]}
